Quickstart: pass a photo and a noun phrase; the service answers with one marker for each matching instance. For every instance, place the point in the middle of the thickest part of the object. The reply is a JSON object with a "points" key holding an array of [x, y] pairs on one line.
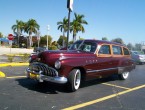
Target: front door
{"points": [[103, 65]]}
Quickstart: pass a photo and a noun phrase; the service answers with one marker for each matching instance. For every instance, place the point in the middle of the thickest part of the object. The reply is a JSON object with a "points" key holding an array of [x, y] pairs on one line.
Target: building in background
{"points": [[4, 41]]}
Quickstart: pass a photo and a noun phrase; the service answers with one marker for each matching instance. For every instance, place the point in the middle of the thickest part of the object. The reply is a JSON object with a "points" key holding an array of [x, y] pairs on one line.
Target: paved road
{"points": [[20, 93]]}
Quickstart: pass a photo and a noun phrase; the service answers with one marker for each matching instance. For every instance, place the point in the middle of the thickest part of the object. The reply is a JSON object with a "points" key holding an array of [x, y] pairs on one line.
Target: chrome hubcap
{"points": [[125, 74], [77, 79]]}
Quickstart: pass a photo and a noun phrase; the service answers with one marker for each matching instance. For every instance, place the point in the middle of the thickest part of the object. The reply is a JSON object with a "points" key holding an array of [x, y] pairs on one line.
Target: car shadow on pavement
{"points": [[44, 87], [99, 81], [52, 88]]}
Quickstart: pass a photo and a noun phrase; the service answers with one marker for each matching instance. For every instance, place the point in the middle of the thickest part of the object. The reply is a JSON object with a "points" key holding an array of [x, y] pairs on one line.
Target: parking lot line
{"points": [[12, 77], [14, 64], [103, 98], [115, 86], [2, 74]]}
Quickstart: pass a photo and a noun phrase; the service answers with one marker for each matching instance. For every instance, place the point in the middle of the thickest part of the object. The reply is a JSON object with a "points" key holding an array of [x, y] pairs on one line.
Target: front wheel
{"points": [[124, 75], [74, 80]]}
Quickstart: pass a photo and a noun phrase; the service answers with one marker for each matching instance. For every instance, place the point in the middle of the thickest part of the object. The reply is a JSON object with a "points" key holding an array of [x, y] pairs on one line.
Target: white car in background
{"points": [[138, 57]]}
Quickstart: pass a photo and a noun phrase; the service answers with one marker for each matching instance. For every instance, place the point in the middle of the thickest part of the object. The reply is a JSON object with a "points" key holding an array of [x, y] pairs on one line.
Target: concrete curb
{"points": [[17, 55], [2, 75], [14, 64]]}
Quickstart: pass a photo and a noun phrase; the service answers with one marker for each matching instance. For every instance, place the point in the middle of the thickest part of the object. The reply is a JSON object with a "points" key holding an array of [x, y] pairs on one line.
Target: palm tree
{"points": [[77, 25], [63, 26], [18, 28], [30, 28]]}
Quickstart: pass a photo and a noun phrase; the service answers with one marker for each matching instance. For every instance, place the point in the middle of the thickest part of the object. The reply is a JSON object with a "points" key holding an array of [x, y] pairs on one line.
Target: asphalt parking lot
{"points": [[19, 93]]}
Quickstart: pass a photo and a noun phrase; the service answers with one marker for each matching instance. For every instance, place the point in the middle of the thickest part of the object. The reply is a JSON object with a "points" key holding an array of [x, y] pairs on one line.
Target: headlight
{"points": [[57, 64]]}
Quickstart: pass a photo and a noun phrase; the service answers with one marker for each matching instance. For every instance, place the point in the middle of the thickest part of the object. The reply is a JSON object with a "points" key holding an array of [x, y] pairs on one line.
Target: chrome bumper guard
{"points": [[40, 77]]}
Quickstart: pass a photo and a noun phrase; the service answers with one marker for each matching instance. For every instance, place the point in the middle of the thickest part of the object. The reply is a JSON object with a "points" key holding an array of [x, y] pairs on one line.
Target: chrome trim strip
{"points": [[91, 71], [120, 69], [64, 57], [49, 71]]}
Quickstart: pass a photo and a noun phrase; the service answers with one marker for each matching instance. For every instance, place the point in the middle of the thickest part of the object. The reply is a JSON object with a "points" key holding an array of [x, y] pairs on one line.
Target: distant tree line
{"points": [[1, 35], [130, 46], [31, 27]]}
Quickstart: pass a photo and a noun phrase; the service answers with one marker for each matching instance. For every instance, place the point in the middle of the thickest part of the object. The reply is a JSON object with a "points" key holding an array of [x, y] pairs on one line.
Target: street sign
{"points": [[10, 37]]}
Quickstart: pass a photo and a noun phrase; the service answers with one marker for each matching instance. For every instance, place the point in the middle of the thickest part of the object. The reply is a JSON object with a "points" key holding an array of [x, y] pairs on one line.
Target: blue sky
{"points": [[106, 18]]}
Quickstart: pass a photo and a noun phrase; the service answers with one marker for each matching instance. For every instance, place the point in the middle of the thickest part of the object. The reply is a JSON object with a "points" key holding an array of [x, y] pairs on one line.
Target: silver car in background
{"points": [[138, 57]]}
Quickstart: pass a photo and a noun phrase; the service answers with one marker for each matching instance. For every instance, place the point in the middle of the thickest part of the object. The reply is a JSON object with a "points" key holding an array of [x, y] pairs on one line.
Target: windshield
{"points": [[86, 46]]}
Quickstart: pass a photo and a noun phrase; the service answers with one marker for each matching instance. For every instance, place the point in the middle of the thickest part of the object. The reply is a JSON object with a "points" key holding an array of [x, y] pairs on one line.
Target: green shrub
{"points": [[53, 47], [11, 58], [14, 46], [24, 57]]}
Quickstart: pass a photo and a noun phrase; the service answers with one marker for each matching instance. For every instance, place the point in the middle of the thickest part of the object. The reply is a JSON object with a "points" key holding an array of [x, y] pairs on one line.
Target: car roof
{"points": [[103, 41]]}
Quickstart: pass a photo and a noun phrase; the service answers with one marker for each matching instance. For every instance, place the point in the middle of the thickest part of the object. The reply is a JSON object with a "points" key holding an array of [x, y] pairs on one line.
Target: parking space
{"points": [[13, 71], [19, 93]]}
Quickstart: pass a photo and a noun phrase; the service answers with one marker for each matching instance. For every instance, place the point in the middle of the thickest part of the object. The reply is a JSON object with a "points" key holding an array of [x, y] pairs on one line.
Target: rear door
{"points": [[118, 57]]}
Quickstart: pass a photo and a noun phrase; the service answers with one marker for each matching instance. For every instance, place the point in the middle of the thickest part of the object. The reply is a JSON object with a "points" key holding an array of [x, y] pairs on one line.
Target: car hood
{"points": [[49, 57]]}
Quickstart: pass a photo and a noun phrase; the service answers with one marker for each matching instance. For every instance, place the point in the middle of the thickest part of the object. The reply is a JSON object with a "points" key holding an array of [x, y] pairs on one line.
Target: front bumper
{"points": [[40, 77]]}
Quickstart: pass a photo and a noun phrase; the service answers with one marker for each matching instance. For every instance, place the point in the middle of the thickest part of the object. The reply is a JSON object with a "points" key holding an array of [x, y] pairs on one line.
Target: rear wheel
{"points": [[74, 80], [124, 75]]}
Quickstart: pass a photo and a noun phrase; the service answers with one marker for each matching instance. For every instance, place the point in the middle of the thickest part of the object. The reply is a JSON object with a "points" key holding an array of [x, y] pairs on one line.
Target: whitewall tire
{"points": [[74, 80], [124, 75]]}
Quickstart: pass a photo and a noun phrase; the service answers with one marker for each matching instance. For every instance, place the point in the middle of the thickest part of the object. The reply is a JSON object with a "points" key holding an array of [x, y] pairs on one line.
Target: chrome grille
{"points": [[45, 69]]}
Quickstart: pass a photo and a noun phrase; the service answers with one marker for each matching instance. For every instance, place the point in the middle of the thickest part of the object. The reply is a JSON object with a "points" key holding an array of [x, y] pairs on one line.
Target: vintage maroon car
{"points": [[84, 60]]}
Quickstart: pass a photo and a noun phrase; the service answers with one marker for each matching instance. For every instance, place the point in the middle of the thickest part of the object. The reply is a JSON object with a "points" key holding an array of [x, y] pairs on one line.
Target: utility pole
{"points": [[70, 8], [38, 38], [48, 29]]}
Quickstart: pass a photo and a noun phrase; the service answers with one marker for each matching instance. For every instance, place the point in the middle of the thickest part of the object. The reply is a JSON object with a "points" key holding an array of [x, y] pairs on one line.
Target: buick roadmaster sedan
{"points": [[84, 60]]}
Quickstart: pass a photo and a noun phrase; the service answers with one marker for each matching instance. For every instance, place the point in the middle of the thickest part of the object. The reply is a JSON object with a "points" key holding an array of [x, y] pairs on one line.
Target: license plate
{"points": [[33, 76]]}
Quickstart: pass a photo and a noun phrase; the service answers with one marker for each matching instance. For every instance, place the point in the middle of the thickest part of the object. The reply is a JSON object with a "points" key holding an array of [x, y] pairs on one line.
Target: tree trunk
{"points": [[30, 40], [63, 41], [18, 34], [74, 37]]}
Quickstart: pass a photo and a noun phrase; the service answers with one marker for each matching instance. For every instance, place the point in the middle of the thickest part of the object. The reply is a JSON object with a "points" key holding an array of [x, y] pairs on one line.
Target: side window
{"points": [[126, 52], [105, 49], [117, 50]]}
